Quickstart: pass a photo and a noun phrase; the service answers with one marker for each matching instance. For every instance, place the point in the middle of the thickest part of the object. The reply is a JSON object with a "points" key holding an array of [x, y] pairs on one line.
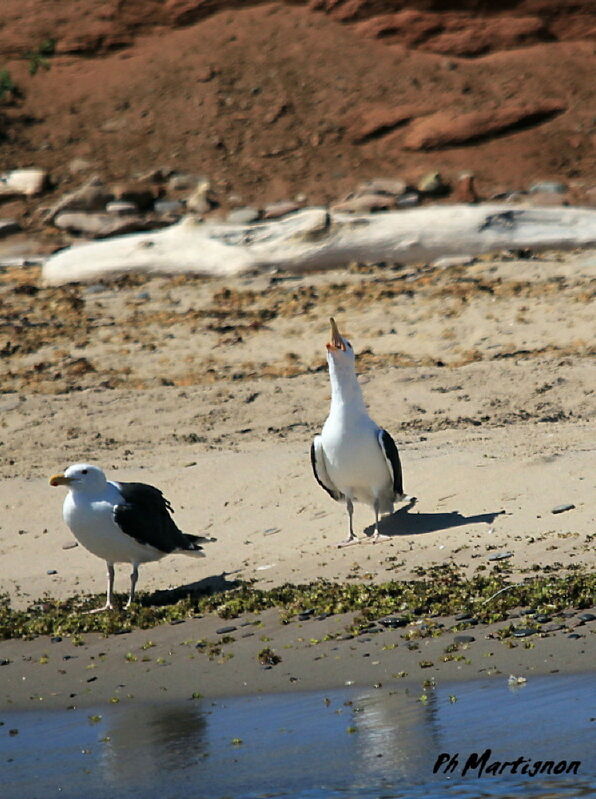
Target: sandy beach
{"points": [[213, 391]]}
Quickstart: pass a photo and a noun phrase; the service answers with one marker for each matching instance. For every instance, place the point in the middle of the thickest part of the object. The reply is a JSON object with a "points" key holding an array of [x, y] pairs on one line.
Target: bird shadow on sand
{"points": [[402, 522], [215, 584]]}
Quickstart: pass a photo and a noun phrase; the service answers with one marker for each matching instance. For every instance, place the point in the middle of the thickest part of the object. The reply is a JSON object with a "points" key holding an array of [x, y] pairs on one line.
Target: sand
{"points": [[481, 373]]}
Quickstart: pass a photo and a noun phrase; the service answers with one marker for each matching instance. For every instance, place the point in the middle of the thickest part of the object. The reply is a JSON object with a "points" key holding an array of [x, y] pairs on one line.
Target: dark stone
{"points": [[225, 630], [527, 612], [554, 628], [177, 621], [55, 639], [393, 622], [563, 508], [522, 632], [542, 618], [322, 616], [4, 661], [575, 636], [52, 571], [305, 616], [91, 679], [462, 617], [587, 617], [247, 635], [463, 639]]}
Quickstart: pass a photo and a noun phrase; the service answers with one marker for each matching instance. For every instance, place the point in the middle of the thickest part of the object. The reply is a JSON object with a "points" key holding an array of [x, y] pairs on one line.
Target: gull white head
{"points": [[81, 477]]}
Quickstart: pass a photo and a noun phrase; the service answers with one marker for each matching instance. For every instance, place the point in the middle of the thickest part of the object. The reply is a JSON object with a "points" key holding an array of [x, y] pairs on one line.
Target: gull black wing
{"points": [[392, 457], [319, 467], [145, 516]]}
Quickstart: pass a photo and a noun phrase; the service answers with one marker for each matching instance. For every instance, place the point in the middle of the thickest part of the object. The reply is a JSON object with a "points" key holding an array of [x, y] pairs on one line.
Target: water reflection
{"points": [[144, 741], [396, 734], [349, 742]]}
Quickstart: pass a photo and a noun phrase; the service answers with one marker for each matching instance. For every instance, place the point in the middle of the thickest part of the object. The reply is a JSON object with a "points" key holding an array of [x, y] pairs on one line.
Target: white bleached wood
{"points": [[318, 239]]}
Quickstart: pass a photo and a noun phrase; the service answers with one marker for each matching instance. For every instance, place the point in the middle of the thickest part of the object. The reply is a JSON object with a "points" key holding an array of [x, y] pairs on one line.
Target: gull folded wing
{"points": [[319, 467], [391, 454]]}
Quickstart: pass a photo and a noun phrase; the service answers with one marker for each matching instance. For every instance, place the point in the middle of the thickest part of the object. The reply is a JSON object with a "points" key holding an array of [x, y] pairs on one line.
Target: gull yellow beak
{"points": [[60, 480], [337, 342]]}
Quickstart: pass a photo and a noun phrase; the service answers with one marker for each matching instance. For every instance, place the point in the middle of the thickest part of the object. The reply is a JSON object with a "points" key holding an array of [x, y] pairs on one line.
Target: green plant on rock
{"points": [[38, 59]]}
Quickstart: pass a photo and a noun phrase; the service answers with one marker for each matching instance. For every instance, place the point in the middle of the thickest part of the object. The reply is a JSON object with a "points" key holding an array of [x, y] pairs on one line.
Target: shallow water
{"points": [[310, 745]]}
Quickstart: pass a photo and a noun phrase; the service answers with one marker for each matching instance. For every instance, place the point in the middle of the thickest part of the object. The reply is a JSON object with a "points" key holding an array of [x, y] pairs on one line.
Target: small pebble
{"points": [[587, 617], [464, 639], [224, 630], [177, 621], [305, 615], [574, 635], [553, 628], [55, 639], [542, 618], [562, 508], [393, 622], [462, 617], [522, 632], [51, 571], [501, 556]]}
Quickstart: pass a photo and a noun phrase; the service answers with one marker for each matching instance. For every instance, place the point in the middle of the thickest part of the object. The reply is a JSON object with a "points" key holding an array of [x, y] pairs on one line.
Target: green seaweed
{"points": [[439, 591]]}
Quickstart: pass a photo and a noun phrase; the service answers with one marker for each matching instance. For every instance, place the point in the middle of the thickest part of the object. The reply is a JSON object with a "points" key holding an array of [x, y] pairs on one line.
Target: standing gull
{"points": [[353, 458], [121, 522]]}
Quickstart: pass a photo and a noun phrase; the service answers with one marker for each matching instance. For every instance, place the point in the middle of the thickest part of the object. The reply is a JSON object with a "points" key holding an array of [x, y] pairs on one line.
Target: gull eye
{"points": [[84, 471]]}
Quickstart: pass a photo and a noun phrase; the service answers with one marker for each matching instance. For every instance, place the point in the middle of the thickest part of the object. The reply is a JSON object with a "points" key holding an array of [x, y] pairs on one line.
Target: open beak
{"points": [[337, 342], [60, 480]]}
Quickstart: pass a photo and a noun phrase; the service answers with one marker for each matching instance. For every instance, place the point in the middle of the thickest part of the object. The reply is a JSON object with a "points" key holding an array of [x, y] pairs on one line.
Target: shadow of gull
{"points": [[401, 522], [208, 585]]}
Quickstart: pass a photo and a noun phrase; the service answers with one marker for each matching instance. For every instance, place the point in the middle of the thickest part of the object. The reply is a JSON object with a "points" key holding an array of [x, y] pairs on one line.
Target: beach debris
{"points": [[513, 680], [225, 630], [267, 657], [464, 639], [562, 508]]}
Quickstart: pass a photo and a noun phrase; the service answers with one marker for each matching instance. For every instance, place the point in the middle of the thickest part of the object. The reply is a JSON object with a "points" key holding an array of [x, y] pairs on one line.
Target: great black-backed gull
{"points": [[121, 522], [353, 458]]}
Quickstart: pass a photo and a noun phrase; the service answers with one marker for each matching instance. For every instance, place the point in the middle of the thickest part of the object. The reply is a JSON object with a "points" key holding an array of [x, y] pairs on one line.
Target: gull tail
{"points": [[193, 547]]}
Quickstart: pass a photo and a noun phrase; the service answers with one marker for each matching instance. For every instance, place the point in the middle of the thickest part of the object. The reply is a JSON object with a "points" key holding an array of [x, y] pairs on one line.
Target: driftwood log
{"points": [[319, 239]]}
